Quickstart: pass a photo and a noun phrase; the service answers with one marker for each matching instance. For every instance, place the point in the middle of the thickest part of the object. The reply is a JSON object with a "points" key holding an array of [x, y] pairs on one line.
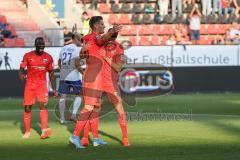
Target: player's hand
{"points": [[103, 53], [22, 77], [116, 28], [55, 93]]}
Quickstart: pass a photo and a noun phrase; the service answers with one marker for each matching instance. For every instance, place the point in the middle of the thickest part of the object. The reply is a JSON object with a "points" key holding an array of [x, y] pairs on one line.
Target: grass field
{"points": [[213, 133]]}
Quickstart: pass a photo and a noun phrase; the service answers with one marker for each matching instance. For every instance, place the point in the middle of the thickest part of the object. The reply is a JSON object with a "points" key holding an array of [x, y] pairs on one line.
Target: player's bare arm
{"points": [[78, 65], [22, 75], [84, 51], [59, 63], [116, 66], [51, 78], [101, 40]]}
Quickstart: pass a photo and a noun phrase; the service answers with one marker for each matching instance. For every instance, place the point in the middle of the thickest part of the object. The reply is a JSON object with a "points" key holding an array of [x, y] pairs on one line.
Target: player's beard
{"points": [[39, 50]]}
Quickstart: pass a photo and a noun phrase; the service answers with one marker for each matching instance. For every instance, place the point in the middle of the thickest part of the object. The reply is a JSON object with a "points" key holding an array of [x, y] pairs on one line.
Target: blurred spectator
{"points": [[236, 39], [237, 6], [218, 39], [115, 1], [6, 33], [234, 30], [176, 4], [171, 40], [206, 7], [227, 7], [94, 4], [195, 22], [81, 1], [217, 7], [67, 36], [227, 38], [49, 5], [187, 5], [163, 7], [181, 35], [86, 27], [2, 26], [1, 40]]}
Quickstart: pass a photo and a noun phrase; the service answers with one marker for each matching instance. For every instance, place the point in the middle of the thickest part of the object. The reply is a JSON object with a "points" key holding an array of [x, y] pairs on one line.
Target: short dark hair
{"points": [[94, 20], [84, 13]]}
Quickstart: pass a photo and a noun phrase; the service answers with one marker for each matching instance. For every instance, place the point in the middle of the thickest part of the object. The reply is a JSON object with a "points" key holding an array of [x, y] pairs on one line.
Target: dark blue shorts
{"points": [[70, 87]]}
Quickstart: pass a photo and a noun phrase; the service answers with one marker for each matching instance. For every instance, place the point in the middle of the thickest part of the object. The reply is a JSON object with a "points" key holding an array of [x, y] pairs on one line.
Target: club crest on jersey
{"points": [[45, 61]]}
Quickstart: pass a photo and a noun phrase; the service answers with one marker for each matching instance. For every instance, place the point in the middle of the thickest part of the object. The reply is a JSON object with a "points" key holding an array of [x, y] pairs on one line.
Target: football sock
{"points": [[62, 106], [86, 130], [44, 118], [94, 124], [27, 120], [82, 120], [76, 104], [122, 120]]}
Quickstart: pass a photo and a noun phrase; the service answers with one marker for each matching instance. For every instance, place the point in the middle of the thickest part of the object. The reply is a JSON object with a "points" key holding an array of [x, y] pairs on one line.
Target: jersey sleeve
{"points": [[60, 54], [24, 61], [50, 64], [119, 57]]}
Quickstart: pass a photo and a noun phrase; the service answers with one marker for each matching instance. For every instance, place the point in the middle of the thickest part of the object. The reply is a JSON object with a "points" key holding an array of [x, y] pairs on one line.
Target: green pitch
{"points": [[208, 128]]}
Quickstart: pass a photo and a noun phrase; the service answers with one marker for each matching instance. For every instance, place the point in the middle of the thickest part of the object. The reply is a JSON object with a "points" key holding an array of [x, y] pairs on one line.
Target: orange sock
{"points": [[122, 120], [27, 120], [82, 121], [44, 118], [86, 130], [94, 124]]}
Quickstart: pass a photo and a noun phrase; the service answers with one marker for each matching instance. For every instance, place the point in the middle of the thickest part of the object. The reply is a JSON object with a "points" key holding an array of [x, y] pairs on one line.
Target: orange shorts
{"points": [[92, 93], [33, 91], [113, 93]]}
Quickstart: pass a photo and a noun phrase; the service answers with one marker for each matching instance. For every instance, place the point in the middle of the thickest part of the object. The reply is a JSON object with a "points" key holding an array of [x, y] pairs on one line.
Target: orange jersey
{"points": [[94, 62], [37, 66], [115, 52], [92, 77]]}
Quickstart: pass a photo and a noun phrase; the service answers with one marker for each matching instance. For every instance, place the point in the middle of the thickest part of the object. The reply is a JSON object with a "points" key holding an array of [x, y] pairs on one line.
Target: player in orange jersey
{"points": [[38, 63]]}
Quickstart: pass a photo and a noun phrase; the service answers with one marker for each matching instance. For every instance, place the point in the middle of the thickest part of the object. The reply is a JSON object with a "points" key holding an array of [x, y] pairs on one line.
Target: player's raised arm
{"points": [[101, 40]]}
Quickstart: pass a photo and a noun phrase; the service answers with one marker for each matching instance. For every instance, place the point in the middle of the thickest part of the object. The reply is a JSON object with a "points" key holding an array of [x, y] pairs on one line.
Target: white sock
{"points": [[76, 104], [62, 106]]}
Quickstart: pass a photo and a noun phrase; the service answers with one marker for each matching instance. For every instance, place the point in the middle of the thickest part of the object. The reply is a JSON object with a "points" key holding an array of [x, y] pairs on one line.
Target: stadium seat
{"points": [[155, 40], [145, 41], [204, 29], [19, 42], [157, 29], [125, 30], [168, 29], [125, 19], [213, 29], [9, 42], [133, 40], [115, 8], [146, 30], [136, 18], [113, 18], [104, 8], [126, 8], [137, 8], [147, 19]]}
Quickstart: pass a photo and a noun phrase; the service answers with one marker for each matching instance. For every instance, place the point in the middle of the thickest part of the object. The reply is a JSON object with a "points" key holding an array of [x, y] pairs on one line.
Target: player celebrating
{"points": [[38, 63], [113, 55], [92, 81], [70, 77]]}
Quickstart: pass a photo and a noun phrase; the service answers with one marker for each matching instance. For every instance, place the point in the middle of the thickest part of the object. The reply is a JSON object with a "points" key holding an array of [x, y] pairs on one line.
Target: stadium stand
{"points": [[17, 21], [139, 18]]}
